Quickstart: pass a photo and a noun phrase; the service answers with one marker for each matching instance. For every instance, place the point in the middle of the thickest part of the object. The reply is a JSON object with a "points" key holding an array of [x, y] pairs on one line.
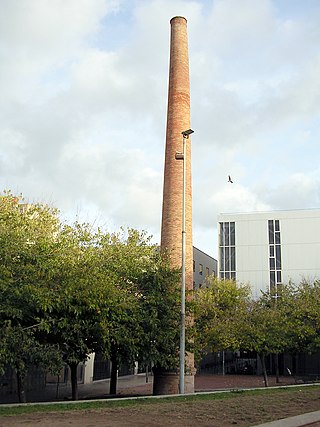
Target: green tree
{"points": [[128, 256], [272, 326], [96, 299], [24, 349], [26, 248], [160, 315], [262, 331], [82, 295], [70, 290], [219, 312], [53, 289], [303, 310]]}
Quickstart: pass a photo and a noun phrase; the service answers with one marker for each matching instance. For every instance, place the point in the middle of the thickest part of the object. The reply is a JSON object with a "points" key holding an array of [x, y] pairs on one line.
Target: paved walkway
{"points": [[139, 385], [311, 419]]}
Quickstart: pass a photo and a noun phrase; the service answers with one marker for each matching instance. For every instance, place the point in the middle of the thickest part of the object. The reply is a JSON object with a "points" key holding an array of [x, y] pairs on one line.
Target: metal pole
{"points": [[276, 360], [223, 364], [183, 275]]}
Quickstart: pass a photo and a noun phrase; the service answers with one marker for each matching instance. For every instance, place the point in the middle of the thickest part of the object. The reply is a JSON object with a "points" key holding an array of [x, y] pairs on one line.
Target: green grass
{"points": [[7, 410]]}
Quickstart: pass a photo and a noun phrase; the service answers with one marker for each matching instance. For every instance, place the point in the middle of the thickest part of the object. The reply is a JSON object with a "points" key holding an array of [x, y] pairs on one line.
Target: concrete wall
{"points": [[300, 246]]}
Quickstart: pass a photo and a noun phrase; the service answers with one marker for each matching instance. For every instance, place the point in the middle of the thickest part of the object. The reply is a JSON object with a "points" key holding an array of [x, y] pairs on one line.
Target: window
{"points": [[227, 234], [271, 232], [233, 258], [274, 253], [279, 277], [272, 264], [278, 256], [227, 250], [232, 234], [194, 266], [207, 271], [200, 269], [272, 279]]}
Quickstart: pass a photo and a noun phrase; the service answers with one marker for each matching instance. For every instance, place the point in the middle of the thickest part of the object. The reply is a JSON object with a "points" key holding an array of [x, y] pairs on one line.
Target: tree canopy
{"points": [[227, 318], [69, 290], [219, 311]]}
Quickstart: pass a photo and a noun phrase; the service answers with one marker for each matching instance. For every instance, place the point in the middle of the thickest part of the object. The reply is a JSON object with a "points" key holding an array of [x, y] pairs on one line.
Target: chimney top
{"points": [[178, 18]]}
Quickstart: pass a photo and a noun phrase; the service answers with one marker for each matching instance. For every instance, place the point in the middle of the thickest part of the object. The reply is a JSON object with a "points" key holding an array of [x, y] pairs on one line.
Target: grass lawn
{"points": [[239, 408]]}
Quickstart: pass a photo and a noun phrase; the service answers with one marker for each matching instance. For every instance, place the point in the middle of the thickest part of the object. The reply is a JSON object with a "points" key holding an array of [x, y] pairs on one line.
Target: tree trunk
{"points": [[114, 371], [20, 387], [276, 363], [264, 370], [74, 380]]}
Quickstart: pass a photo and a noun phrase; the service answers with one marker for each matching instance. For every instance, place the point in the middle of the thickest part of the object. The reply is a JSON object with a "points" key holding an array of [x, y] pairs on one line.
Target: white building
{"points": [[265, 249]]}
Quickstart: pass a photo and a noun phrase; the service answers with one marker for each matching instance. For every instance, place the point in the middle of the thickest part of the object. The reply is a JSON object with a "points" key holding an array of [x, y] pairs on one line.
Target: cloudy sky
{"points": [[83, 90]]}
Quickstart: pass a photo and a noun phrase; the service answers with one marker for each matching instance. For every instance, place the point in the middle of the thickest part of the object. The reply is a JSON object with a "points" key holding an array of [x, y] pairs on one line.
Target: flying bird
{"points": [[229, 179]]}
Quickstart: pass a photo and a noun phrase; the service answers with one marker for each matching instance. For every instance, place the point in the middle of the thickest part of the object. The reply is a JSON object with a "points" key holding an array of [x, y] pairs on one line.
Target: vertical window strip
{"points": [[274, 252], [227, 251]]}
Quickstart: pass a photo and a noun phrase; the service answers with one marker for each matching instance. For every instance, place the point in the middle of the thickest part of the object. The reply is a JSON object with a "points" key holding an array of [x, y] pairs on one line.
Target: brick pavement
{"points": [[217, 382], [208, 382], [135, 385]]}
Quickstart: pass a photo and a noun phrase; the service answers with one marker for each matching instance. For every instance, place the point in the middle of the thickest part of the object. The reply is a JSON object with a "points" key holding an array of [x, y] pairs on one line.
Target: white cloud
{"points": [[12, 145], [39, 38], [241, 27], [299, 190], [83, 106]]}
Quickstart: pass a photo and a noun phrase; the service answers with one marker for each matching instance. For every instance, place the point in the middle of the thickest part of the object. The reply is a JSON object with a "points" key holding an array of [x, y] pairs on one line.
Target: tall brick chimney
{"points": [[178, 120]]}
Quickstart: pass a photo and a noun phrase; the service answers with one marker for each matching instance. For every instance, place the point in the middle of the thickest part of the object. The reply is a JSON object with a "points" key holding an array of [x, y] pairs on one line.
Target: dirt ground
{"points": [[240, 410]]}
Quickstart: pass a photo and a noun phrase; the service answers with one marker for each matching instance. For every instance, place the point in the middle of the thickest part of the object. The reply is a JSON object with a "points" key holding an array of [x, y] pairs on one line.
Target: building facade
{"points": [[266, 249], [203, 266]]}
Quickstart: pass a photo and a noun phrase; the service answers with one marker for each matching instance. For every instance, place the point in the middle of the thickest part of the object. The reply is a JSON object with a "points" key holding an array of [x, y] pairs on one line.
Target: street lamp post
{"points": [[183, 156]]}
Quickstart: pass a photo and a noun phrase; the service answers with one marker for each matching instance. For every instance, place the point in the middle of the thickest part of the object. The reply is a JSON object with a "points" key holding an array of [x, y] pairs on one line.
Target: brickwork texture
{"points": [[178, 120]]}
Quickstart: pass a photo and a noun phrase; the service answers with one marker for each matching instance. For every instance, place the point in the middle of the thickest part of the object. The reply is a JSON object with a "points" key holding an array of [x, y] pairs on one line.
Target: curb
{"points": [[165, 396], [297, 421]]}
